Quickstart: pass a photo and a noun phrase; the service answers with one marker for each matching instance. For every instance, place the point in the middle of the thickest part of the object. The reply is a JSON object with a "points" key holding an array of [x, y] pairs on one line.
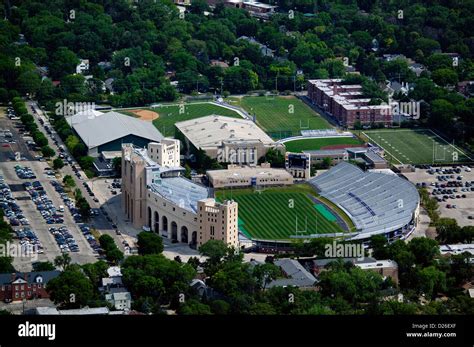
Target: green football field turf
{"points": [[171, 114], [268, 215], [282, 117], [415, 146], [315, 144]]}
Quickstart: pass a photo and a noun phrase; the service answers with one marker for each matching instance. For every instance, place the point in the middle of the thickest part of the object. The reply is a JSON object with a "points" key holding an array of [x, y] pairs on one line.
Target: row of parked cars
{"points": [[86, 231], [11, 113], [64, 239], [44, 205], [89, 191], [24, 172], [10, 208], [76, 215], [29, 241]]}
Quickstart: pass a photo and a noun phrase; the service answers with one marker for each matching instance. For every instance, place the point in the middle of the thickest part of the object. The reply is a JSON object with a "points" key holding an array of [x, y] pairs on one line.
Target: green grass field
{"points": [[415, 146], [267, 214], [170, 114], [315, 144], [282, 117]]}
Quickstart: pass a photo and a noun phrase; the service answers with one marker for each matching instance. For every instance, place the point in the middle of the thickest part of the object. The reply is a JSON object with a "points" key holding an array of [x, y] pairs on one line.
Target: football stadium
{"points": [[344, 202]]}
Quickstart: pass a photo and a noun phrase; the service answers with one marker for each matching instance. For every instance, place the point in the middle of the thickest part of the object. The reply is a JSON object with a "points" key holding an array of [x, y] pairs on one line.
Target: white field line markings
{"points": [[382, 147]]}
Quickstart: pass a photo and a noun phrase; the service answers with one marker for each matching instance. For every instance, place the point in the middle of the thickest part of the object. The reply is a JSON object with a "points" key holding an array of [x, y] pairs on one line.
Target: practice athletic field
{"points": [[268, 215], [282, 116], [415, 146], [168, 115], [320, 143]]}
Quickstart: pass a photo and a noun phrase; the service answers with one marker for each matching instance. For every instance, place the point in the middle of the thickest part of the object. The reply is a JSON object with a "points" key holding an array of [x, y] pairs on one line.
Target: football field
{"points": [[283, 116], [416, 146], [279, 213], [321, 143]]}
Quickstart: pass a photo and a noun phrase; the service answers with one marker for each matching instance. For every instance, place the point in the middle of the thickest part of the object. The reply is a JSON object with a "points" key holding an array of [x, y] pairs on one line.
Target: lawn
{"points": [[318, 143], [170, 114], [282, 116], [415, 146], [267, 215]]}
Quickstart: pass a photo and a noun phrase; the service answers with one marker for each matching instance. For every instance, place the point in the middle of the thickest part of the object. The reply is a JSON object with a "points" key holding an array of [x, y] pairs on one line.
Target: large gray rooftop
{"points": [[97, 129], [211, 131]]}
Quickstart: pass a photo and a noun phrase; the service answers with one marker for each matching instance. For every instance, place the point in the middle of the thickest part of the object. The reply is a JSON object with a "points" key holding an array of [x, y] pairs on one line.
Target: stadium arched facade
{"points": [[159, 198]]}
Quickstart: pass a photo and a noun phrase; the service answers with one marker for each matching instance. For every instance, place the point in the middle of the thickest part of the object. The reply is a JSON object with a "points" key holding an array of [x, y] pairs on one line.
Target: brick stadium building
{"points": [[346, 103]]}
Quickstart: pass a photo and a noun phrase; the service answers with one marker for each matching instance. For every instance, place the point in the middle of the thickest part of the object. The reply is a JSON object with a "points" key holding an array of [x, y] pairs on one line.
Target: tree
{"points": [[431, 281], [149, 243], [217, 253], [156, 277], [63, 61], [58, 164], [220, 307], [445, 77], [352, 284], [266, 273], [424, 250], [379, 247], [43, 266], [71, 289], [47, 151], [448, 230], [274, 157], [194, 307], [63, 261], [327, 162], [69, 181], [117, 165], [84, 207], [96, 271], [215, 250], [29, 82], [112, 253], [6, 265]]}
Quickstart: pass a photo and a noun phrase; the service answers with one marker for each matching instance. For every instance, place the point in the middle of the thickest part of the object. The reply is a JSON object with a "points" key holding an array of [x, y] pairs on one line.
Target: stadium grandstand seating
{"points": [[378, 203]]}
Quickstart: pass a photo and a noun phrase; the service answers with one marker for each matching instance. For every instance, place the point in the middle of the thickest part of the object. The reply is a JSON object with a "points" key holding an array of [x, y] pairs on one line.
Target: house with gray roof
{"points": [[294, 275]]}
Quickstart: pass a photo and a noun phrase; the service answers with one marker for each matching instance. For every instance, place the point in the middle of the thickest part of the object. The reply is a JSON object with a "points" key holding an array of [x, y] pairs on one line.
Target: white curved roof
{"points": [[376, 202]]}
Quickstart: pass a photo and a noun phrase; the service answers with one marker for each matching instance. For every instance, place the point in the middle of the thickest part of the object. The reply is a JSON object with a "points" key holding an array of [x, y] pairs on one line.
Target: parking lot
{"points": [[37, 222], [36, 171], [453, 187], [103, 221]]}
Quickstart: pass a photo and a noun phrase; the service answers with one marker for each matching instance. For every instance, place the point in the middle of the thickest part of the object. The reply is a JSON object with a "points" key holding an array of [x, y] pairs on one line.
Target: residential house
{"points": [[83, 66], [119, 298], [29, 285], [295, 275]]}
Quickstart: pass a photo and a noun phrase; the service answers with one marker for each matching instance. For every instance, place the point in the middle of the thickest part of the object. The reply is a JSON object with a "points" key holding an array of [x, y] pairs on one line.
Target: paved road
{"points": [[99, 222]]}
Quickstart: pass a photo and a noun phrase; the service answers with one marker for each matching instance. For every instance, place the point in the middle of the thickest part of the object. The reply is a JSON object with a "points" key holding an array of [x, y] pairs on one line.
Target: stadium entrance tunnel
{"points": [[149, 218], [157, 223], [174, 231], [184, 234], [165, 225], [193, 243]]}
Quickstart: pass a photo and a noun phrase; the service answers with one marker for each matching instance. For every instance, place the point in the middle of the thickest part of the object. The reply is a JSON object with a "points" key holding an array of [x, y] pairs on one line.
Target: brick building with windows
{"points": [[30, 285], [346, 103]]}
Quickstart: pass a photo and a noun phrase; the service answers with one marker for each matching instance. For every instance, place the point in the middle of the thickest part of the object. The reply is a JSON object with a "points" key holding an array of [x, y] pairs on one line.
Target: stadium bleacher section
{"points": [[377, 203]]}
